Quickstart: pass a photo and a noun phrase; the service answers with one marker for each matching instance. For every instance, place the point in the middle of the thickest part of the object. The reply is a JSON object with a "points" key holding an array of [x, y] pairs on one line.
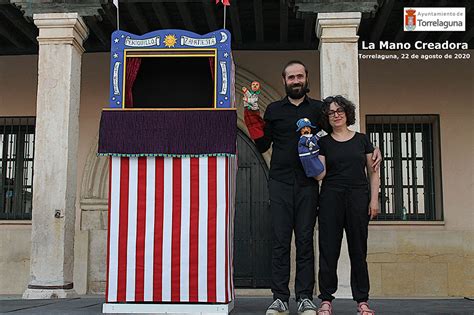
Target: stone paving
{"points": [[244, 305]]}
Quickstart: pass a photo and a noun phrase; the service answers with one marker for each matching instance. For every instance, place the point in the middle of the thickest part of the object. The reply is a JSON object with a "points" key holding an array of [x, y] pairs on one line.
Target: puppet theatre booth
{"points": [[170, 133]]}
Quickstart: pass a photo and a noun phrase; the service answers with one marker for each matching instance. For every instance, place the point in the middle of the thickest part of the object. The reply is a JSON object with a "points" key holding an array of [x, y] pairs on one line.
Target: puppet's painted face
{"points": [[305, 130], [255, 86]]}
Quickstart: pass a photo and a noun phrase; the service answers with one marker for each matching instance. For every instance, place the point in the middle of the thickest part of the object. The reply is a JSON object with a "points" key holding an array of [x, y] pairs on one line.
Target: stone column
{"points": [[60, 39], [339, 74], [339, 65]]}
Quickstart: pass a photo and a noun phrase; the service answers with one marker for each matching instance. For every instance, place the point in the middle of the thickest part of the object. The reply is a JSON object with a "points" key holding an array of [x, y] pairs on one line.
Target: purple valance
{"points": [[168, 132]]}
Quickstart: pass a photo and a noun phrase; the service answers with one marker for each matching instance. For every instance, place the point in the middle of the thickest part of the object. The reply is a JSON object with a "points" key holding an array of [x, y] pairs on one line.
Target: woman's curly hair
{"points": [[348, 107]]}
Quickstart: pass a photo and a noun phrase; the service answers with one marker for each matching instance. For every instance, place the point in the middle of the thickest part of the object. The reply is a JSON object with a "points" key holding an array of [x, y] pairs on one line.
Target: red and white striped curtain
{"points": [[170, 229]]}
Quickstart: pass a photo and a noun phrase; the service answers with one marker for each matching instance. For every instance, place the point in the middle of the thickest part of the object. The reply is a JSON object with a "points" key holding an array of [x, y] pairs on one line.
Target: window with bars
{"points": [[17, 140], [410, 173]]}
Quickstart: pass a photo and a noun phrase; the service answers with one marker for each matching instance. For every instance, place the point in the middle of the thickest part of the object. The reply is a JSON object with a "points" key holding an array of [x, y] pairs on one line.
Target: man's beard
{"points": [[297, 93]]}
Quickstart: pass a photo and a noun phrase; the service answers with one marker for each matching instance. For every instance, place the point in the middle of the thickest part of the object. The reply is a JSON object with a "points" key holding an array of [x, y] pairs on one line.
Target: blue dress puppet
{"points": [[308, 148]]}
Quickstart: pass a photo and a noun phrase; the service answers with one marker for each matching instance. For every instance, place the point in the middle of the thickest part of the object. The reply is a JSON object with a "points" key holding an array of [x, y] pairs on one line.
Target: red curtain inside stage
{"points": [[133, 66], [211, 64]]}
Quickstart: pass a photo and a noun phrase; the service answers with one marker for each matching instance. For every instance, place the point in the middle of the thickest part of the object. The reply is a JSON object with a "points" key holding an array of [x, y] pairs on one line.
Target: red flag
{"points": [[224, 2]]}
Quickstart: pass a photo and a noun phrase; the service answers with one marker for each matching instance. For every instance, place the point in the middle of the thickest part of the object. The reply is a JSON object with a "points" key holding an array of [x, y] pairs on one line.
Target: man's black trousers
{"points": [[343, 208], [293, 208]]}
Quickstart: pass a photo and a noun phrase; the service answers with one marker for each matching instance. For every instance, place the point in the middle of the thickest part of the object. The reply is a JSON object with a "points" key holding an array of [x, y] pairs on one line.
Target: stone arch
{"points": [[94, 187]]}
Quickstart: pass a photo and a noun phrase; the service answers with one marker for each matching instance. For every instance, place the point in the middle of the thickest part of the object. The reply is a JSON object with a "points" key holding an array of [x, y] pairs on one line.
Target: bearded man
{"points": [[293, 195]]}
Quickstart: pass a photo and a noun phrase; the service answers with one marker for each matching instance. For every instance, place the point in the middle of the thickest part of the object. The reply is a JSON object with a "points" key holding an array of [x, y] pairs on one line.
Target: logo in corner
{"points": [[410, 20]]}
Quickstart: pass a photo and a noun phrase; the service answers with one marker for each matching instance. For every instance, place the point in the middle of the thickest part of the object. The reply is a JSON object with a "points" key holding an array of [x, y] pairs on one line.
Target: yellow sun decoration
{"points": [[170, 41]]}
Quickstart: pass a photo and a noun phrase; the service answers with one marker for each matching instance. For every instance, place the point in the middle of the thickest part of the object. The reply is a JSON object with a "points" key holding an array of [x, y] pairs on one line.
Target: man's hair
{"points": [[345, 104], [293, 62]]}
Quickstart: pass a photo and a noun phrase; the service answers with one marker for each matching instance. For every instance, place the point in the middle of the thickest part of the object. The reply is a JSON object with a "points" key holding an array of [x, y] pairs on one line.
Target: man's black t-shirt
{"points": [[280, 129], [346, 160]]}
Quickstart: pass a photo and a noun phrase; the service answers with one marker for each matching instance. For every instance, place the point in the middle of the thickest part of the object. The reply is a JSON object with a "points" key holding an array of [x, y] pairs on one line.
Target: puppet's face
{"points": [[305, 130], [255, 86]]}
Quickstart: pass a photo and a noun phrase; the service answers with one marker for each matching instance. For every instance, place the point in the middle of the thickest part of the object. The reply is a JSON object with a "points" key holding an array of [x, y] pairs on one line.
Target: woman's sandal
{"points": [[364, 309], [325, 308]]}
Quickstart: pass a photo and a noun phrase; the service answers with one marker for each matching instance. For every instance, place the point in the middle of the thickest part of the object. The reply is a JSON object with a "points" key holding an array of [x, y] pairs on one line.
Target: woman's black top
{"points": [[346, 160]]}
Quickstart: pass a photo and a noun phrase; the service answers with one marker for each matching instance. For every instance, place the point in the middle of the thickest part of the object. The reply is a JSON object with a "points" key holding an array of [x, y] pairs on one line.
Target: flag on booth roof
{"points": [[116, 3], [224, 2]]}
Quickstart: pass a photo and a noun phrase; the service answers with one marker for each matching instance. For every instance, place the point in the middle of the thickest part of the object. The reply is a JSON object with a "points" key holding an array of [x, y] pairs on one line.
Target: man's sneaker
{"points": [[278, 307], [306, 307]]}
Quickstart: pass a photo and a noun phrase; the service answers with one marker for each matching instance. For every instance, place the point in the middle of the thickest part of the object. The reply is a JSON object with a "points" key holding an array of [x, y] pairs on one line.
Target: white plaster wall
{"points": [[15, 245], [432, 87], [18, 81]]}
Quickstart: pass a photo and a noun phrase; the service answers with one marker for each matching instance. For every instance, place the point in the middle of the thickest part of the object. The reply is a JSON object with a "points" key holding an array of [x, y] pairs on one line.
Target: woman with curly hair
{"points": [[345, 202]]}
